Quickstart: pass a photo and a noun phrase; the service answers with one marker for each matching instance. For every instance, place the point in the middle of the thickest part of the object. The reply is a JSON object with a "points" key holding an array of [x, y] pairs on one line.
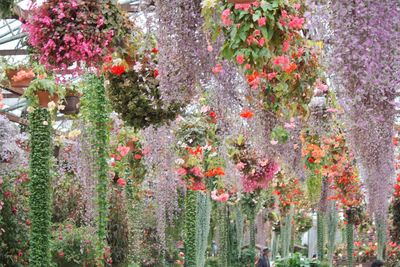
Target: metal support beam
{"points": [[14, 52], [13, 38], [14, 118]]}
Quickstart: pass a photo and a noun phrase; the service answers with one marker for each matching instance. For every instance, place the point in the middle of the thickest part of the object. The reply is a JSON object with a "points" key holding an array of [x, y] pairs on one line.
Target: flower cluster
{"points": [[266, 40], [256, 174], [68, 32], [288, 191]]}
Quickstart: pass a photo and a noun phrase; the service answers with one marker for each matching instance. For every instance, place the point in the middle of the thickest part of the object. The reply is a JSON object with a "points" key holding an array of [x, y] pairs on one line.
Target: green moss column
{"points": [[190, 228], [350, 243], [332, 228], [39, 187], [380, 224], [99, 118], [223, 229], [320, 234], [203, 216]]}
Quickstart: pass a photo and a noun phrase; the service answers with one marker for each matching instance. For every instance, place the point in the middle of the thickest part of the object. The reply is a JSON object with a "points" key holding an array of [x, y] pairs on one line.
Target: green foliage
{"points": [[223, 231], [14, 222], [380, 224], [203, 214], [297, 260], [138, 100], [39, 200], [6, 8], [321, 235], [280, 134], [190, 228], [332, 221], [286, 233], [74, 246], [97, 106], [350, 243]]}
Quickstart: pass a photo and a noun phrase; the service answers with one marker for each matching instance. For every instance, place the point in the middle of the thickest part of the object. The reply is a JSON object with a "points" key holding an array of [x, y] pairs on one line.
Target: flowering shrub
{"points": [[288, 192], [67, 32], [265, 38], [73, 245]]}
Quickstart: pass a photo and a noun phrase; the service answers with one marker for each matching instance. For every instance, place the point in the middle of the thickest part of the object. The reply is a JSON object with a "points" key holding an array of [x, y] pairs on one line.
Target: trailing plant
{"points": [[332, 222], [67, 32], [6, 8], [39, 200], [48, 85], [134, 92], [223, 222], [96, 100], [203, 215], [297, 260], [190, 228], [267, 40]]}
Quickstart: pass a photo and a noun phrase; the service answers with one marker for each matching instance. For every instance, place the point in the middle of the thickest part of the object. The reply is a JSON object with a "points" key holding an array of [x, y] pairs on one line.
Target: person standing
{"points": [[263, 261]]}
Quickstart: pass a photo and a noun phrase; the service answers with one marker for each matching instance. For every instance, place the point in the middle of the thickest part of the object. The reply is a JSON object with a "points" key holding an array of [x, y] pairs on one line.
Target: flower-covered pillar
{"points": [[365, 70], [95, 96], [39, 199]]}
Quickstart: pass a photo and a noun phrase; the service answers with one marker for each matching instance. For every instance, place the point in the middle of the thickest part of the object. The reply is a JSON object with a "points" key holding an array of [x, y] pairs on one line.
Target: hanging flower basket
{"points": [[65, 32], [45, 98], [71, 103], [20, 77]]}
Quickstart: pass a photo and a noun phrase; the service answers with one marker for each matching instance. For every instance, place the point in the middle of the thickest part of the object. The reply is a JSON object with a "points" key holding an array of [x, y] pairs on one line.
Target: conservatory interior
{"points": [[199, 133]]}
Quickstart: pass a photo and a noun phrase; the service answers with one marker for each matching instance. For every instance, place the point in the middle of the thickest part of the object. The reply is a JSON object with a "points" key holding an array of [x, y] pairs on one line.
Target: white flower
{"points": [[138, 66], [213, 154], [30, 109], [45, 123], [117, 61], [179, 161], [51, 105], [61, 107], [184, 145], [274, 142], [74, 133], [205, 109], [208, 3]]}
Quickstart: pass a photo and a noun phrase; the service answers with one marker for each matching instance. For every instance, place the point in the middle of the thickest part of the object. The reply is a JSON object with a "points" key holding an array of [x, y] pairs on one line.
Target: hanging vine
{"points": [[95, 96], [39, 200]]}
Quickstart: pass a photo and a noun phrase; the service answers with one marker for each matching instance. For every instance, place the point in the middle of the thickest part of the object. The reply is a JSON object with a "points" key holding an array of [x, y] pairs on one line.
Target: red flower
{"points": [[213, 116], [311, 160], [155, 73], [247, 114], [61, 254], [155, 50], [121, 182], [28, 222], [138, 156], [118, 70], [240, 59]]}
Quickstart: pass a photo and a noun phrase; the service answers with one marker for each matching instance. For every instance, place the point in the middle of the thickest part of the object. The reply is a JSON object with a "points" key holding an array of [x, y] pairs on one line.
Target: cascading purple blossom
{"points": [[364, 61]]}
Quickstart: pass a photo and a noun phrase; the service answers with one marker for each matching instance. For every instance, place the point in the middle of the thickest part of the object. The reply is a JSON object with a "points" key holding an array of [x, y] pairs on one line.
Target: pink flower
{"points": [[282, 61], [257, 32], [240, 59], [209, 48], [297, 6], [181, 171], [296, 23], [284, 14], [197, 172], [225, 17], [262, 21], [121, 182], [261, 42], [217, 69], [123, 150], [271, 76], [221, 198], [244, 7], [286, 46], [240, 166]]}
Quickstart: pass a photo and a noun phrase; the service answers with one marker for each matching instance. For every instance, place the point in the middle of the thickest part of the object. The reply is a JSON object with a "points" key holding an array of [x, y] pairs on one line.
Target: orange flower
{"points": [[247, 114]]}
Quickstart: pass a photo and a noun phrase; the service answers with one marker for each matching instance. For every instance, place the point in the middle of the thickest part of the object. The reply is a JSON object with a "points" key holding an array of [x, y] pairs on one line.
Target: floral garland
{"points": [[68, 32]]}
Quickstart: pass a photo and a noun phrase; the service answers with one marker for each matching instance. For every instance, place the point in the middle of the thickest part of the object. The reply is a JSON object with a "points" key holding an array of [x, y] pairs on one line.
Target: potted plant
{"points": [[20, 76], [241, 1], [71, 101], [43, 91], [64, 32]]}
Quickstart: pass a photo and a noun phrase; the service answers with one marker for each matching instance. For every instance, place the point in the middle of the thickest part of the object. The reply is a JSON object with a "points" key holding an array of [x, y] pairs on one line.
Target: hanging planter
{"points": [[71, 102], [43, 91], [20, 77], [45, 98], [65, 32]]}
